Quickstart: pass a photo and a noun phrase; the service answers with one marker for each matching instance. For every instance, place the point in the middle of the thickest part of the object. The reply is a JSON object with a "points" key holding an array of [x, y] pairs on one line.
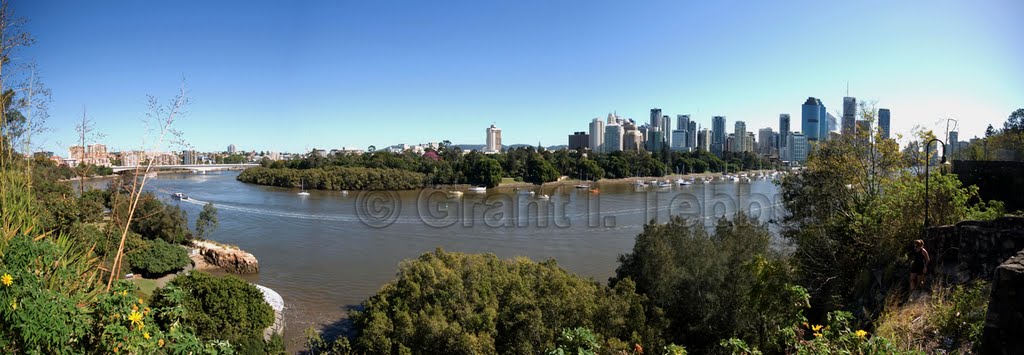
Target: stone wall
{"points": [[973, 249], [996, 180], [1004, 324], [229, 258], [277, 303]]}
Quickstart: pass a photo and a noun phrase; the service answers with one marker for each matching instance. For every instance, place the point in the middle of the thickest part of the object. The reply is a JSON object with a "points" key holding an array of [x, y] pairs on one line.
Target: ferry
{"points": [[179, 196]]}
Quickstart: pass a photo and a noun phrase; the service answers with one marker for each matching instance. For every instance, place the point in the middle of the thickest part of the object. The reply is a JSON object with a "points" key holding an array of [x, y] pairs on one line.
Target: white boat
{"points": [[179, 196], [454, 194], [734, 178], [706, 181], [682, 182], [477, 189], [303, 185], [640, 183], [582, 186], [664, 184], [543, 197]]}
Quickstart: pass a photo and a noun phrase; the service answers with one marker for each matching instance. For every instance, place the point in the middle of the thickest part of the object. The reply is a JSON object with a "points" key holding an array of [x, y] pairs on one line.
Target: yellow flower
{"points": [[140, 300], [816, 328], [124, 292], [14, 305], [7, 279], [160, 342], [817, 335], [136, 318], [861, 333], [145, 335]]}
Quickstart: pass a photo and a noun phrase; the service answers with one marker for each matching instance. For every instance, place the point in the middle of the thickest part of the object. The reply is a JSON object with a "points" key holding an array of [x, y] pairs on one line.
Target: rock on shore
{"points": [[229, 258]]}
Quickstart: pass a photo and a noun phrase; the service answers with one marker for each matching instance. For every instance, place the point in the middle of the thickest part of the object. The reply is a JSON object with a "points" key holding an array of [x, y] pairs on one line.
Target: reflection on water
{"points": [[330, 250]]}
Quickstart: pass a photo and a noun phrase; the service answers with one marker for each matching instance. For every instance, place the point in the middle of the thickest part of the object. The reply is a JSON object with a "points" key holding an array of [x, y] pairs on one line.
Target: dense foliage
{"points": [[157, 258], [334, 178], [717, 285], [226, 308], [853, 213], [52, 298], [456, 303]]}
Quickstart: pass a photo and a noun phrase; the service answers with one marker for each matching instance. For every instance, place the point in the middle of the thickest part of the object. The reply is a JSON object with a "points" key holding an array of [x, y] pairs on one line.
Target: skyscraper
{"points": [[632, 140], [579, 141], [765, 141], [741, 137], [798, 147], [656, 118], [718, 135], [828, 127], [704, 140], [597, 135], [493, 139], [810, 119], [849, 115], [666, 130], [691, 138], [783, 135], [883, 122], [613, 137], [231, 149], [679, 140]]}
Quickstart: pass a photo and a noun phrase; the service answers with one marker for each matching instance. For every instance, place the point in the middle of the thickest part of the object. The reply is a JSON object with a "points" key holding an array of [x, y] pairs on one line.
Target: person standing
{"points": [[919, 265]]}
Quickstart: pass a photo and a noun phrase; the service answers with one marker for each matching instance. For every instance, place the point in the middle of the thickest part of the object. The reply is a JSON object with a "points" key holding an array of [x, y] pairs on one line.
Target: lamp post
{"points": [[926, 176]]}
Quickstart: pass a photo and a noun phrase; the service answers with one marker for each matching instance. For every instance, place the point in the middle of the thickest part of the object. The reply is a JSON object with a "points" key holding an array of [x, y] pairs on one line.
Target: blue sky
{"points": [[289, 76]]}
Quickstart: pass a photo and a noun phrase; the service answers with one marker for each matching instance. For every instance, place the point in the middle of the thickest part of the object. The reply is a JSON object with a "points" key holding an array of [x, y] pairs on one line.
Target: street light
{"points": [[926, 164]]}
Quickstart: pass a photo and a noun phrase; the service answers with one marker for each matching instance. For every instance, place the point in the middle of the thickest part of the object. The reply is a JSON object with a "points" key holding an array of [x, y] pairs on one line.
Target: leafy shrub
{"points": [[225, 308], [157, 258]]}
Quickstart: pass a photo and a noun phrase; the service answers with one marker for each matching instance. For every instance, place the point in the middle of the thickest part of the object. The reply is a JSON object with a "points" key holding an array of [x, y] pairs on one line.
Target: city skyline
{"points": [[327, 74]]}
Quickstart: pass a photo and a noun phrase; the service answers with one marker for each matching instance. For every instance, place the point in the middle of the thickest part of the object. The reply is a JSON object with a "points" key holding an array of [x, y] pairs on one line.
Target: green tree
{"points": [[539, 170], [716, 286], [207, 221], [487, 172], [225, 308], [457, 303]]}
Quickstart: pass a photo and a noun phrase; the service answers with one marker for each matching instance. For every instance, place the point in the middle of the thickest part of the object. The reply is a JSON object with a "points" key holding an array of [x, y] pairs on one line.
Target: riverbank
{"points": [[622, 181]]}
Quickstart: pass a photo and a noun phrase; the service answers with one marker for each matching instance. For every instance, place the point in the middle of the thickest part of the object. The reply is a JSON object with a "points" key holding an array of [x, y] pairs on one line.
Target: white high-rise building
{"points": [[493, 139], [597, 135], [613, 133]]}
